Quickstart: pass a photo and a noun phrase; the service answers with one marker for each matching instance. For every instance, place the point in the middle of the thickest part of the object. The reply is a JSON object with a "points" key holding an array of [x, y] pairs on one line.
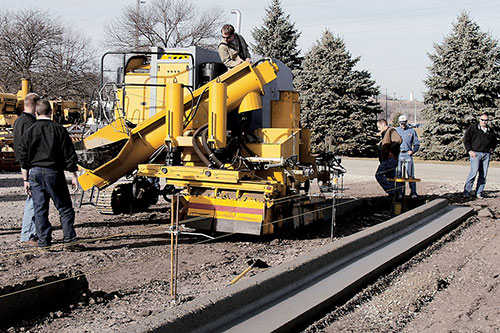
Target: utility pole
{"points": [[385, 104], [414, 108], [394, 103]]}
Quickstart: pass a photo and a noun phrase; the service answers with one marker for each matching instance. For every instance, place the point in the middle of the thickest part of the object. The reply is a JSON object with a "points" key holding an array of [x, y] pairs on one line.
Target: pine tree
{"points": [[336, 100], [277, 38], [463, 81]]}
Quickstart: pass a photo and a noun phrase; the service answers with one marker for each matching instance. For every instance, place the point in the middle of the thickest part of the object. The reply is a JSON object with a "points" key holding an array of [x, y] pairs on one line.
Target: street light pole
{"points": [[138, 14]]}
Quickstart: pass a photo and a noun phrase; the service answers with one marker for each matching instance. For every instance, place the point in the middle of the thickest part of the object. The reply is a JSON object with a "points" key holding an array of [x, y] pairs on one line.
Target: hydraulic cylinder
{"points": [[217, 114], [175, 113]]}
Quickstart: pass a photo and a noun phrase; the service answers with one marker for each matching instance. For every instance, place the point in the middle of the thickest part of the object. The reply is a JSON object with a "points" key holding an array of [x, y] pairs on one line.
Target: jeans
{"points": [[51, 184], [478, 164], [387, 169], [407, 160], [28, 230]]}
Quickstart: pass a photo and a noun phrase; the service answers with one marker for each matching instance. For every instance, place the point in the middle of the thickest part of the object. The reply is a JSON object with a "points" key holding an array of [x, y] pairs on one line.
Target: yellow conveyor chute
{"points": [[147, 137]]}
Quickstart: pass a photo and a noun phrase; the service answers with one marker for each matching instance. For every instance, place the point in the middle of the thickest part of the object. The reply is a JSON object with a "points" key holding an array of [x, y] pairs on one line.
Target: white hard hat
{"points": [[402, 118]]}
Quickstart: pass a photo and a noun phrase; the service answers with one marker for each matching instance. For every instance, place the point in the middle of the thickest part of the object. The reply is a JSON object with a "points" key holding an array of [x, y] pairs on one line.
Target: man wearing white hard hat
{"points": [[408, 148]]}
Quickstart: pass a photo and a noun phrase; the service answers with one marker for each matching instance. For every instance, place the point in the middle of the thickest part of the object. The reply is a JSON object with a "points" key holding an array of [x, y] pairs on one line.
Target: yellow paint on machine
{"points": [[149, 135], [249, 210]]}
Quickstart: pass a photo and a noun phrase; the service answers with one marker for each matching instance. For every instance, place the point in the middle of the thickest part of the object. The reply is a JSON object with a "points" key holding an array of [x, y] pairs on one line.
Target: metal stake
{"points": [[172, 208], [176, 247], [333, 218]]}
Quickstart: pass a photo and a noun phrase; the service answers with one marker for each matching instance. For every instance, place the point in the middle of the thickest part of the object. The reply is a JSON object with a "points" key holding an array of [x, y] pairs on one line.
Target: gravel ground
{"points": [[127, 264]]}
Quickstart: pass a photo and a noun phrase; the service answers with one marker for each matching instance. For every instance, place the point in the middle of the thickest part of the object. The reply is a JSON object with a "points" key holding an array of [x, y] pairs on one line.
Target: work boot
{"points": [[45, 249], [30, 243], [73, 247]]}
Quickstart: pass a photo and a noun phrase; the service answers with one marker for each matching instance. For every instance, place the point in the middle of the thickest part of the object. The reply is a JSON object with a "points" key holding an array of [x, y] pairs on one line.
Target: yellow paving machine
{"points": [[228, 143]]}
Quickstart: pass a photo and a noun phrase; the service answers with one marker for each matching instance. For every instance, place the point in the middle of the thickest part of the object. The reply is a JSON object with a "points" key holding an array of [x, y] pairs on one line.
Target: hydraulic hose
{"points": [[247, 149], [209, 151], [196, 148], [193, 113]]}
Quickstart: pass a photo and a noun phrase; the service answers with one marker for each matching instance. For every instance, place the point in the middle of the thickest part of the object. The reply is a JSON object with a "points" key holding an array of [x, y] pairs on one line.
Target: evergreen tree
{"points": [[277, 38], [336, 100], [463, 81]]}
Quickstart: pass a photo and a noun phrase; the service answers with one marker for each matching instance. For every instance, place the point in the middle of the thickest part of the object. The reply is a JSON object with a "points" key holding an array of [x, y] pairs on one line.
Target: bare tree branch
{"points": [[165, 23], [57, 61]]}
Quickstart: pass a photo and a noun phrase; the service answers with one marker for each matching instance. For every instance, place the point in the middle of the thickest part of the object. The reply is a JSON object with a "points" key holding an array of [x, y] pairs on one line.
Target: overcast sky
{"points": [[392, 37]]}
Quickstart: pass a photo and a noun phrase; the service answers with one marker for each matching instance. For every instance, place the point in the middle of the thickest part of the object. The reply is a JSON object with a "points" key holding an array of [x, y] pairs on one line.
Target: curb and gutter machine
{"points": [[228, 143]]}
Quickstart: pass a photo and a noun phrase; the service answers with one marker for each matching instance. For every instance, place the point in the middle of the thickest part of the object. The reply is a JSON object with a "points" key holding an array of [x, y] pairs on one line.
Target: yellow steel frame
{"points": [[202, 177]]}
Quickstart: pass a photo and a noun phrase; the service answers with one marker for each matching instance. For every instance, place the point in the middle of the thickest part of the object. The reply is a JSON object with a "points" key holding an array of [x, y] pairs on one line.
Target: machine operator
{"points": [[233, 49]]}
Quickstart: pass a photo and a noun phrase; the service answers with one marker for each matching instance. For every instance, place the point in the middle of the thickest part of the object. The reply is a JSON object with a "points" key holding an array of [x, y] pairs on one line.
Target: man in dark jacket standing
{"points": [[46, 150], [480, 141], [25, 120], [388, 156]]}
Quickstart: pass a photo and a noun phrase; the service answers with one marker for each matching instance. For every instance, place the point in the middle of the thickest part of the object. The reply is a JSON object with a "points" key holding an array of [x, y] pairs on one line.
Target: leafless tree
{"points": [[166, 23], [57, 61]]}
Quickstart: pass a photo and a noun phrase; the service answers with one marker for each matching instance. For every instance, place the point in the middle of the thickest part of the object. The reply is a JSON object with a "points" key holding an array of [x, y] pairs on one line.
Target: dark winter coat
{"points": [[47, 144], [475, 139], [22, 123], [389, 144]]}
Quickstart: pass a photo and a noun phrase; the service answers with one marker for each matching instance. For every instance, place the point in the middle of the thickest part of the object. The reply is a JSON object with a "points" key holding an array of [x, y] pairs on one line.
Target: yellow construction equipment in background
{"points": [[11, 105], [229, 143]]}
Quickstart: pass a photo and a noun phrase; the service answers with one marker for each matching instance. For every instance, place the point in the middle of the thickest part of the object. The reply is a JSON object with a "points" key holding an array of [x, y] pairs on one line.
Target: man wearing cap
{"points": [[409, 146]]}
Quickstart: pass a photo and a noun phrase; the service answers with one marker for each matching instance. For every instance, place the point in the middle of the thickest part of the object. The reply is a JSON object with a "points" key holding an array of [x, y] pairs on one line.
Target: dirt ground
{"points": [[449, 287]]}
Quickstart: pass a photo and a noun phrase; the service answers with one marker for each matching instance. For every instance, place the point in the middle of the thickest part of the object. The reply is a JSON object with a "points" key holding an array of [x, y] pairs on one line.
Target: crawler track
{"points": [[285, 298]]}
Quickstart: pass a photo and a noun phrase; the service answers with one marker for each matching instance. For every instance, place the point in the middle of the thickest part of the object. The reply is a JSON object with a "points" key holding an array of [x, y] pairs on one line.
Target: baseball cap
{"points": [[403, 119]]}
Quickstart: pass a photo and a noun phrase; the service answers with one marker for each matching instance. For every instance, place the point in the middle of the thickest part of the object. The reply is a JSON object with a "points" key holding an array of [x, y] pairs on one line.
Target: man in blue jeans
{"points": [[22, 123], [388, 156], [408, 148], [480, 141], [46, 150]]}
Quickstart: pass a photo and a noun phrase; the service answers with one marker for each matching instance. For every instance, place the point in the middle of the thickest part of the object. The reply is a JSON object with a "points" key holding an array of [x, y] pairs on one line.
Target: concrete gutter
{"points": [[222, 309], [39, 296]]}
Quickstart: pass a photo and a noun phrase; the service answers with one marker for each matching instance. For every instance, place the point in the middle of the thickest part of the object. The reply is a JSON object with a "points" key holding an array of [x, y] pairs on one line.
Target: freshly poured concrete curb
{"points": [[217, 310], [30, 298]]}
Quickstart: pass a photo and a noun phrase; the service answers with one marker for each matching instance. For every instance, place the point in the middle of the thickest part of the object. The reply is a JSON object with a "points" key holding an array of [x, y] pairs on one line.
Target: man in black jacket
{"points": [[46, 150], [22, 123], [480, 141]]}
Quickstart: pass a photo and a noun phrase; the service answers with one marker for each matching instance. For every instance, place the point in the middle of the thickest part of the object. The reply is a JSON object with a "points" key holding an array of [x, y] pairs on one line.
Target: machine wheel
{"points": [[145, 193], [127, 198], [167, 192], [115, 199]]}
